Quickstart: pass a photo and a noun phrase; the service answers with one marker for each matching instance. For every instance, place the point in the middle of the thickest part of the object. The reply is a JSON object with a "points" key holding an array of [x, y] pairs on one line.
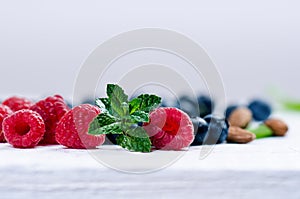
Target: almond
{"points": [[278, 126], [239, 135], [240, 117]]}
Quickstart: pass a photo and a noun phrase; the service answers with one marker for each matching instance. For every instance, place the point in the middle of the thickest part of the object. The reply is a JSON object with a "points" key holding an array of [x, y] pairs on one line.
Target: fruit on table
{"points": [[4, 112], [260, 109], [200, 130], [112, 138], [217, 129], [24, 128], [51, 109], [72, 130], [210, 130], [205, 104], [201, 106], [229, 110], [169, 129], [17, 103]]}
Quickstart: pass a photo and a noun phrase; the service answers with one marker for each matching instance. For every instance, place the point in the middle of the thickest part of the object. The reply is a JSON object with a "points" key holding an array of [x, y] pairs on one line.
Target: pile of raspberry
{"points": [[25, 124]]}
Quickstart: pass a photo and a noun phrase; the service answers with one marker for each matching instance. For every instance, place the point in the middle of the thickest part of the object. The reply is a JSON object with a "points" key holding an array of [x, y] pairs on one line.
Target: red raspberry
{"points": [[23, 129], [170, 129], [52, 109], [17, 103], [72, 130], [4, 112]]}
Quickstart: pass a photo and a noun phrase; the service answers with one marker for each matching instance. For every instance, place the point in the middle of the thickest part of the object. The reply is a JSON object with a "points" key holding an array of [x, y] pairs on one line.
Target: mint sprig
{"points": [[120, 116], [135, 139]]}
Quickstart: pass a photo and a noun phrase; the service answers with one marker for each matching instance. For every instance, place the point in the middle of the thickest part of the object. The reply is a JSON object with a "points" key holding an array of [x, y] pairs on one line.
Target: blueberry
{"points": [[229, 110], [200, 130], [189, 106], [261, 110], [205, 104], [208, 118], [217, 129], [112, 138], [140, 123]]}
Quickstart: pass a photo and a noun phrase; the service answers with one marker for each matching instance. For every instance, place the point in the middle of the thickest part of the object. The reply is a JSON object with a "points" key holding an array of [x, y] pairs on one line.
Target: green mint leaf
{"points": [[115, 91], [137, 132], [125, 109], [106, 119], [118, 116], [114, 128], [97, 125], [145, 103], [118, 100], [103, 104], [135, 140], [135, 104], [140, 116]]}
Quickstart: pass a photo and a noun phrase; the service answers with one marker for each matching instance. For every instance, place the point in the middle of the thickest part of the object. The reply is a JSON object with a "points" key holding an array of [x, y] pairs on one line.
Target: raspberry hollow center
{"points": [[22, 128], [172, 124]]}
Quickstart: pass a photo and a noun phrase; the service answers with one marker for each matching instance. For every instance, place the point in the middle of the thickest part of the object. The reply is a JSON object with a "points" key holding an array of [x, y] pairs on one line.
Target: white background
{"points": [[254, 44]]}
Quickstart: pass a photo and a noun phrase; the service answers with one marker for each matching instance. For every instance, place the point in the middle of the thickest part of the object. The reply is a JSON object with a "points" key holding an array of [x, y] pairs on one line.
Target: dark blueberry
{"points": [[140, 123], [111, 139], [189, 106], [261, 110], [205, 105], [229, 110], [200, 130], [208, 118], [217, 129]]}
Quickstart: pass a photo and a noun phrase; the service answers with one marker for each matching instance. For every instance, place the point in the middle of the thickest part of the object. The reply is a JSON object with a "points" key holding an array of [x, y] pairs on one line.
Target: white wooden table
{"points": [[265, 168]]}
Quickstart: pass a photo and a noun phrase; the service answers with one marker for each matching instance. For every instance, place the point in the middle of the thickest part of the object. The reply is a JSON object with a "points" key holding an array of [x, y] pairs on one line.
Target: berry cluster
{"points": [[25, 124], [257, 111], [234, 127], [208, 128]]}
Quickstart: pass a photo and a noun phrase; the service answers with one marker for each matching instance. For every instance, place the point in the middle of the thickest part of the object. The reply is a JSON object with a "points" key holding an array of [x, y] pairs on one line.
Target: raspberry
{"points": [[4, 112], [23, 129], [170, 129], [72, 130], [52, 109], [17, 103]]}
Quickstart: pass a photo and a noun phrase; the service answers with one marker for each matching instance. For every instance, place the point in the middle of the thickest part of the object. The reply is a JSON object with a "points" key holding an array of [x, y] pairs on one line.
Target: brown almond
{"points": [[240, 117], [239, 135], [278, 126]]}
